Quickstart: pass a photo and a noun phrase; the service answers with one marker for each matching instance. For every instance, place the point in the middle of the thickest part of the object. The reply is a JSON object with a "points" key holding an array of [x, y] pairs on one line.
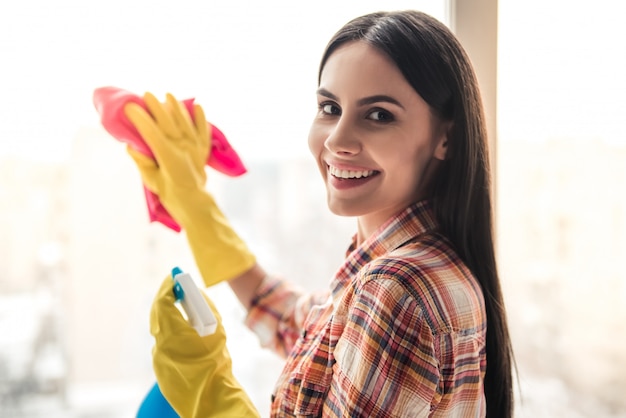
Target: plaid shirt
{"points": [[400, 334]]}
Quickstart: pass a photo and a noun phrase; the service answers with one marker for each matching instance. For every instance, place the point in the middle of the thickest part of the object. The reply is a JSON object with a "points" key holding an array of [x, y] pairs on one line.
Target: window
{"points": [[561, 202]]}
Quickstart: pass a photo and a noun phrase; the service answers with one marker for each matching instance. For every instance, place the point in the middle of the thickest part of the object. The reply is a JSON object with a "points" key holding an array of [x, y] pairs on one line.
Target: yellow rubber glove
{"points": [[194, 373], [180, 146]]}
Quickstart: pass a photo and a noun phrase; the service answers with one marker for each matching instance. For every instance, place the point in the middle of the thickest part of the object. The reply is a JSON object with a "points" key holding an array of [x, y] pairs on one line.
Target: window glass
{"points": [[562, 202]]}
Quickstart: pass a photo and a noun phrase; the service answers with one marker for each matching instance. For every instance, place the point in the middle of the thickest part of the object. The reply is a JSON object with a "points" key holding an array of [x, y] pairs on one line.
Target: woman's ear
{"points": [[441, 149]]}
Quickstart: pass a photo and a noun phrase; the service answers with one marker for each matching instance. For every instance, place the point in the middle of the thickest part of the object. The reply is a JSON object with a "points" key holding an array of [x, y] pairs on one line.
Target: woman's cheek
{"points": [[316, 139]]}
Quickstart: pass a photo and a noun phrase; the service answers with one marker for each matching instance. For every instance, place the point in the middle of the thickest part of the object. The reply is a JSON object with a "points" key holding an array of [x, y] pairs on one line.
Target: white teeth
{"points": [[349, 174]]}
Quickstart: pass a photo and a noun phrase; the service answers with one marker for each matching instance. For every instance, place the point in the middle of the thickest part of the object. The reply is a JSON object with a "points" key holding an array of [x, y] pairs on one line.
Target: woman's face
{"points": [[375, 140]]}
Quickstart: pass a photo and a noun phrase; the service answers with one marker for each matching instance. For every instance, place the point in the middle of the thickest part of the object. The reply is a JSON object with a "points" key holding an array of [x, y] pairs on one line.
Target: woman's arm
{"points": [[277, 308], [386, 360], [176, 174], [246, 284], [411, 345]]}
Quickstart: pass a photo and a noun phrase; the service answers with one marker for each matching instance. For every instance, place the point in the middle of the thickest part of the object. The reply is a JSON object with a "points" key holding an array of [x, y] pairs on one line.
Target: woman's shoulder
{"points": [[428, 272], [427, 257]]}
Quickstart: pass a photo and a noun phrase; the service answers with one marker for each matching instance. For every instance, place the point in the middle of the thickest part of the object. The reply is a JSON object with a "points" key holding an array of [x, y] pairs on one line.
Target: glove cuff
{"points": [[219, 252]]}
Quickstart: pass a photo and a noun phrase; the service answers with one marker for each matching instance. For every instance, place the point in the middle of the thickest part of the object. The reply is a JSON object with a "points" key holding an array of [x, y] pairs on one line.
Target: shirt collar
{"points": [[412, 222]]}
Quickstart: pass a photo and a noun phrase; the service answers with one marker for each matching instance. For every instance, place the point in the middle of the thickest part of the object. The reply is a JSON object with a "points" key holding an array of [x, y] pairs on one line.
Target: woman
{"points": [[414, 322]]}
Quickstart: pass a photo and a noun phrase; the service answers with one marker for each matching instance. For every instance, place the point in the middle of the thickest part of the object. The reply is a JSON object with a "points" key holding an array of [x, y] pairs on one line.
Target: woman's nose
{"points": [[342, 139]]}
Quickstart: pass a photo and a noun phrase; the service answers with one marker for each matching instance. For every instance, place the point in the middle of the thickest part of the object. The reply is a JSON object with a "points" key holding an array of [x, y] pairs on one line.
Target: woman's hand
{"points": [[180, 145], [177, 176], [194, 373]]}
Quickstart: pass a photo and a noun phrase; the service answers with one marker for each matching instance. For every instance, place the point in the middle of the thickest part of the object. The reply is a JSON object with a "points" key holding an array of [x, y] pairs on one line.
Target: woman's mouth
{"points": [[349, 174], [345, 179]]}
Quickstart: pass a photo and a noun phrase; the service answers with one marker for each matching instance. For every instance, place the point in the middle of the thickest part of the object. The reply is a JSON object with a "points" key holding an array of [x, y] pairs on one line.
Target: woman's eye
{"points": [[380, 116], [330, 109]]}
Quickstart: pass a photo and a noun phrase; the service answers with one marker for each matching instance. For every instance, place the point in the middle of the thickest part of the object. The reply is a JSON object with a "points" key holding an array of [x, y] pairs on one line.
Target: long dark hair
{"points": [[433, 61]]}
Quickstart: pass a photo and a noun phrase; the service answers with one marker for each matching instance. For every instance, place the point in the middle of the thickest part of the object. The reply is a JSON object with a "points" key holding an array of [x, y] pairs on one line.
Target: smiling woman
{"points": [[413, 321]]}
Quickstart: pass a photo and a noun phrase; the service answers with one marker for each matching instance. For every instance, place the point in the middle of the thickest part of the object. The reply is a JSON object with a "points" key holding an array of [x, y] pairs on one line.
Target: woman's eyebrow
{"points": [[323, 92], [364, 101], [379, 98]]}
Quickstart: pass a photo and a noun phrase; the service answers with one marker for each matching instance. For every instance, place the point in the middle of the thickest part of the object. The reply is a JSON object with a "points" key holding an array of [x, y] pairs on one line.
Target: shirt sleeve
{"points": [[386, 359], [278, 311]]}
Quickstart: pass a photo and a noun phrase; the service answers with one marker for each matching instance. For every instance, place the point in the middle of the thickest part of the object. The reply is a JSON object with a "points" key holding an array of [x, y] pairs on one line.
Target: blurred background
{"points": [[80, 262]]}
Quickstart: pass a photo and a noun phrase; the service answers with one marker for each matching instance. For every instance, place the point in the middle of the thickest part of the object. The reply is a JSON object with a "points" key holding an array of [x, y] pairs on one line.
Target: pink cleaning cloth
{"points": [[110, 102]]}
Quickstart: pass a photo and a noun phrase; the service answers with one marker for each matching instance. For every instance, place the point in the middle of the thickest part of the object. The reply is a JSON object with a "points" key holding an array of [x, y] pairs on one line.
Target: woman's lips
{"points": [[343, 183]]}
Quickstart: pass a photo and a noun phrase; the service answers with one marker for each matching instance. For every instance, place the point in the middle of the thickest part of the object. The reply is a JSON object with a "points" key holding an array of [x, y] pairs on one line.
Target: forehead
{"points": [[361, 68]]}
